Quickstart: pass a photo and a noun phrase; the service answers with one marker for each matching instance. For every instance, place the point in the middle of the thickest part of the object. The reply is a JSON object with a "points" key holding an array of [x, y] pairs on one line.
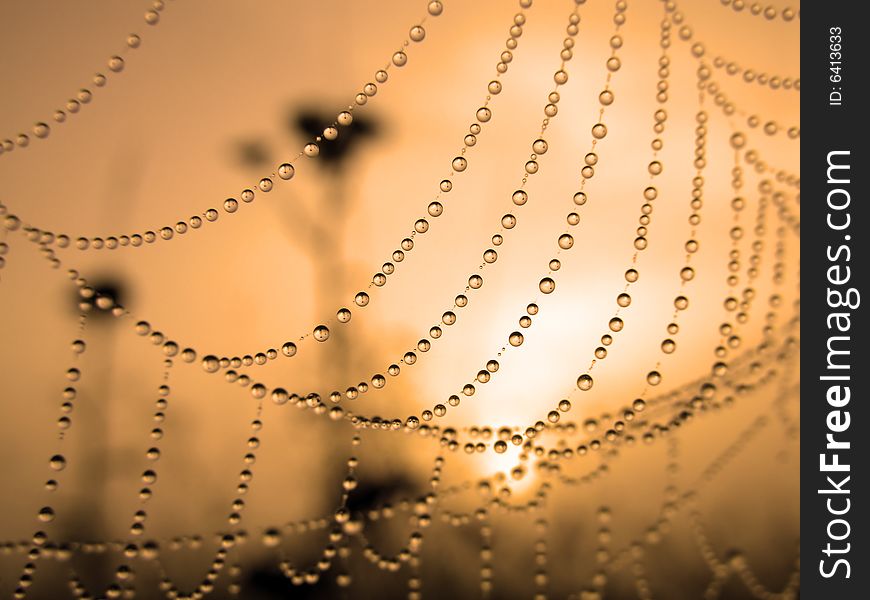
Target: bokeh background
{"points": [[221, 92]]}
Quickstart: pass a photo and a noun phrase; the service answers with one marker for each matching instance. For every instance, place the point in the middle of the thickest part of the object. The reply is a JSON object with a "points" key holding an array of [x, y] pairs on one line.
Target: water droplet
{"points": [[211, 364], [116, 64], [417, 33]]}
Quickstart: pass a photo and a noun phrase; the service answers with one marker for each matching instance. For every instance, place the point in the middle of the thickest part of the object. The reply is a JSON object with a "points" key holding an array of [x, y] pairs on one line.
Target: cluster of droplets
{"points": [[546, 460], [124, 573], [612, 435], [486, 567], [283, 172], [541, 576], [732, 69], [422, 225], [756, 9], [228, 540], [770, 127], [422, 509], [114, 65], [653, 535], [655, 167], [322, 332], [735, 562], [687, 273], [344, 525], [57, 463], [565, 240], [490, 255], [674, 501]]}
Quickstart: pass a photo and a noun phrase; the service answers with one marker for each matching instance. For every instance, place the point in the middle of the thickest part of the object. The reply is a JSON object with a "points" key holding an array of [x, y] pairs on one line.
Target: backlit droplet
{"points": [[520, 197], [46, 514], [286, 171], [211, 364], [41, 130], [116, 64], [584, 382], [653, 378], [615, 324], [289, 349], [361, 299], [343, 315], [547, 285], [599, 131], [280, 396], [57, 462], [566, 240], [516, 338], [321, 333], [668, 346], [417, 33]]}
